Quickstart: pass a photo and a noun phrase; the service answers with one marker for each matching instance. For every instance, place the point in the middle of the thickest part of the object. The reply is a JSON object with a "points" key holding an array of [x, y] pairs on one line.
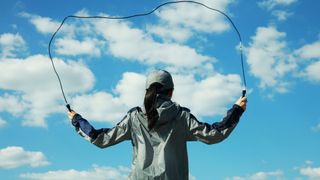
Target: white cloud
{"points": [[316, 128], [68, 46], [96, 173], [308, 162], [106, 107], [131, 43], [126, 42], [311, 172], [170, 34], [259, 176], [209, 96], [309, 51], [309, 54], [206, 97], [281, 15], [12, 104], [269, 59], [271, 4], [311, 72], [198, 18], [131, 88], [46, 25], [65, 42], [39, 92], [123, 41], [43, 25], [100, 106], [14, 156], [2, 122], [191, 177], [11, 45], [179, 26]]}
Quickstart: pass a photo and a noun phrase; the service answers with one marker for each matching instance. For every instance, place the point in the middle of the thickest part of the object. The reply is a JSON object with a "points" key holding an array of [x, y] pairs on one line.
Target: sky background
{"points": [[103, 64]]}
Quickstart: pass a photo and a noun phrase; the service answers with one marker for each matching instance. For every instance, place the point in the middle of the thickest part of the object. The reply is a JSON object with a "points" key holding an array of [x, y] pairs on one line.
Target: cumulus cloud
{"points": [[170, 34], [309, 54], [198, 18], [311, 72], [111, 107], [120, 39], [274, 63], [316, 128], [12, 104], [45, 25], [191, 177], [176, 25], [2, 122], [11, 45], [38, 89], [309, 51], [206, 97], [131, 88], [127, 42], [209, 96], [97, 173], [259, 176], [271, 4], [124, 41], [313, 173], [269, 59], [281, 15], [15, 156], [66, 42], [73, 47], [100, 106]]}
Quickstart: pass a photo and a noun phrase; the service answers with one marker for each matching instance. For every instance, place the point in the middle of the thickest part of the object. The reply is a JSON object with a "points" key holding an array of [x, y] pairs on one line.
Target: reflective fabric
{"points": [[160, 153]]}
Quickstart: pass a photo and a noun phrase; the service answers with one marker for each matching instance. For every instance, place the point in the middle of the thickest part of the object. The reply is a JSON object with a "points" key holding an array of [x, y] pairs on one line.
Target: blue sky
{"points": [[103, 65]]}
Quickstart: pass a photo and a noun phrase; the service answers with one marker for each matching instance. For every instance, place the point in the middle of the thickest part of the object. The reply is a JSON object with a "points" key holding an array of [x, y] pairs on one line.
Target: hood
{"points": [[167, 109]]}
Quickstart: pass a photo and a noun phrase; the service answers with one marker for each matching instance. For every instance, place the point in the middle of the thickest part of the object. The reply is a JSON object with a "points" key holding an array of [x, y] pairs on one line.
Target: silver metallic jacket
{"points": [[160, 153]]}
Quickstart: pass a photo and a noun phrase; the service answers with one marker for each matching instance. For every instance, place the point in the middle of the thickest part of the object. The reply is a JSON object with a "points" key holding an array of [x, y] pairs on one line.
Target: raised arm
{"points": [[218, 131], [101, 137]]}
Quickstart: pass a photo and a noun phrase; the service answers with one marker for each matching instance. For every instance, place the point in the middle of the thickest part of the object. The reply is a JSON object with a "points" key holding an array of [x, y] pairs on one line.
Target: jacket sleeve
{"points": [[103, 137], [215, 132]]}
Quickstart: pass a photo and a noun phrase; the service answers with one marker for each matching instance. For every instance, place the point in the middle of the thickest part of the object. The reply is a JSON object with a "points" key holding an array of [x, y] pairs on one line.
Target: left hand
{"points": [[71, 114], [242, 102]]}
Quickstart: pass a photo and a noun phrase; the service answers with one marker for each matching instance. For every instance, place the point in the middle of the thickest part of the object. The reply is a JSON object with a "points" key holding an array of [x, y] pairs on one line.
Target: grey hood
{"points": [[167, 110]]}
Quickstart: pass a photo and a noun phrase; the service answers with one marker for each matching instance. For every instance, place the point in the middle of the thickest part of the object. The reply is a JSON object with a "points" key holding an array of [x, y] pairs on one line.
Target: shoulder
{"points": [[127, 118], [134, 109], [184, 109], [186, 112]]}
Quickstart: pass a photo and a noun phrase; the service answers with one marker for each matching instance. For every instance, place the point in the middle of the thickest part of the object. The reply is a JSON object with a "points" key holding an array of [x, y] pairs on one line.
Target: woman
{"points": [[159, 131]]}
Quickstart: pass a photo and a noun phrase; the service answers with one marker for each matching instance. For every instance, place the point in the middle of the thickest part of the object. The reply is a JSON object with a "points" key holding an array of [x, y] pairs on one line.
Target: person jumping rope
{"points": [[159, 131]]}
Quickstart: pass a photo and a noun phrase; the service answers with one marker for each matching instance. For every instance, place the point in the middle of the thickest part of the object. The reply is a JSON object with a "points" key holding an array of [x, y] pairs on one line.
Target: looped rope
{"points": [[139, 15]]}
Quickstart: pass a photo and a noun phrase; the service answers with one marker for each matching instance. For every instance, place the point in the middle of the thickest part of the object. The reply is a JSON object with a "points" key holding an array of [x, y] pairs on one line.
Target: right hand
{"points": [[242, 102]]}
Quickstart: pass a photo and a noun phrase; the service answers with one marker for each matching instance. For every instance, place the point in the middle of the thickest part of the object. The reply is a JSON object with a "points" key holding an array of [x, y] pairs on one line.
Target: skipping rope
{"points": [[140, 15]]}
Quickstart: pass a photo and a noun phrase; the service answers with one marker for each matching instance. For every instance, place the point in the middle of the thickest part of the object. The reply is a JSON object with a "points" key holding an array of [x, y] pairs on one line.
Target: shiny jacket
{"points": [[160, 153]]}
